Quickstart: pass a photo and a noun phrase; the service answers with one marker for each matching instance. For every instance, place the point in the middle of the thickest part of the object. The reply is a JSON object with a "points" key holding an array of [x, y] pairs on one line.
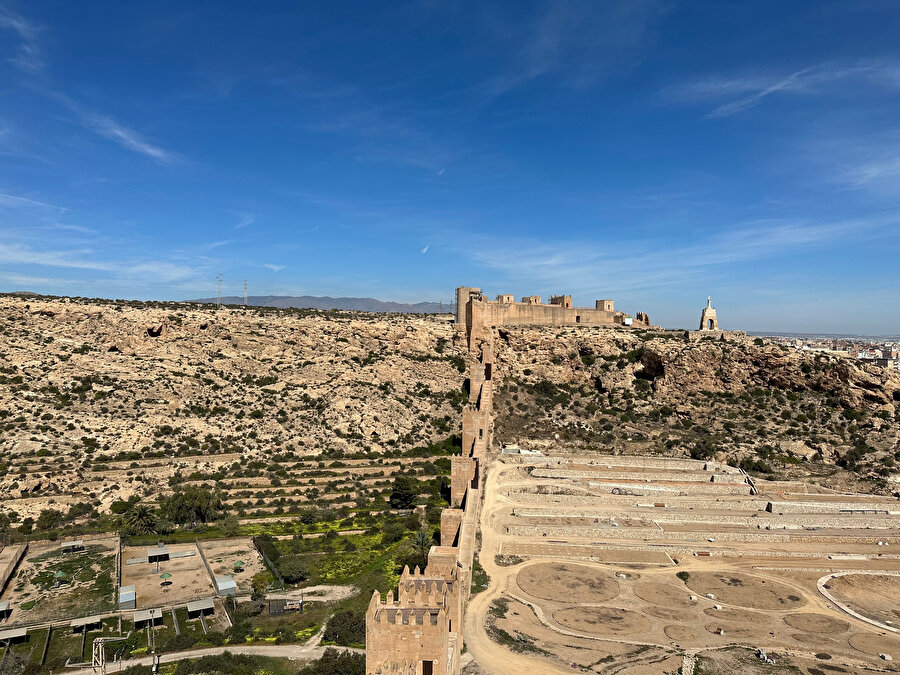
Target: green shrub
{"points": [[346, 628]]}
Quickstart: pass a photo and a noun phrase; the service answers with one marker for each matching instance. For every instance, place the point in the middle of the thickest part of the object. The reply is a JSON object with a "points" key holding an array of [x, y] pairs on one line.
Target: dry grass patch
{"points": [[565, 582]]}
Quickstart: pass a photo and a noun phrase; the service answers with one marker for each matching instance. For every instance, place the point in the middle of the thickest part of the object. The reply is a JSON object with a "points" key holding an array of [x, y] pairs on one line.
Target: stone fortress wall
{"points": [[420, 630], [474, 312]]}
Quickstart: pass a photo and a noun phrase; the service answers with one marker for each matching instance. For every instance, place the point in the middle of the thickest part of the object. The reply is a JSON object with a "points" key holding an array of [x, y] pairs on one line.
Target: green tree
{"points": [[259, 586], [405, 492], [422, 544], [346, 628], [292, 569], [140, 520], [191, 505], [231, 526], [334, 662], [48, 519]]}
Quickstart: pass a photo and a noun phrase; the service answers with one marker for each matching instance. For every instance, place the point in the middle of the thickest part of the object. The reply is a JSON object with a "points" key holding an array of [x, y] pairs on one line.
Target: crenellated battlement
{"points": [[419, 630], [475, 313]]}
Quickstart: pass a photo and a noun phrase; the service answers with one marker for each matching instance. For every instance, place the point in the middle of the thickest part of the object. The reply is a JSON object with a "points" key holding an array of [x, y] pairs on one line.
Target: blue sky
{"points": [[651, 152]]}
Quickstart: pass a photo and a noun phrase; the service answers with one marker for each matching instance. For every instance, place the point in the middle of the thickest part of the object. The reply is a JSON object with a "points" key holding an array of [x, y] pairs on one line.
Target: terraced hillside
{"points": [[106, 402]]}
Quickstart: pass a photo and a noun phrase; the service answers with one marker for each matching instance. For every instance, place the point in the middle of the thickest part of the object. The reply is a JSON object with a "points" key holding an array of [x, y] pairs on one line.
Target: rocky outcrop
{"points": [[662, 391]]}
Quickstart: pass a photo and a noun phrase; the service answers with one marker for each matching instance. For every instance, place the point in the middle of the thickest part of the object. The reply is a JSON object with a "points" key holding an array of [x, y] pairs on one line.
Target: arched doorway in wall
{"points": [[709, 324]]}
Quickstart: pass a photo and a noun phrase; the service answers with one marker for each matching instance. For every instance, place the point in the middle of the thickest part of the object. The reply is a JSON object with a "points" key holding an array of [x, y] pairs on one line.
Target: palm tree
{"points": [[421, 545], [140, 519]]}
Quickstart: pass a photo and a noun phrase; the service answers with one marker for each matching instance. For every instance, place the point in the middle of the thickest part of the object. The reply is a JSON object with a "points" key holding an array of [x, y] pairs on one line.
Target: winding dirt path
{"points": [[489, 655], [294, 652]]}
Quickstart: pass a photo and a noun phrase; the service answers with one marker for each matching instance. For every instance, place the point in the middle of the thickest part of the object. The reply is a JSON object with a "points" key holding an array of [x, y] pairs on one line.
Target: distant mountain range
{"points": [[313, 302]]}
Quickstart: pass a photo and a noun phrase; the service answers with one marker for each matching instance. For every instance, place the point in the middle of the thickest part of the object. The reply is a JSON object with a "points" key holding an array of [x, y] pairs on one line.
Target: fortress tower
{"points": [[419, 630], [708, 319], [474, 312]]}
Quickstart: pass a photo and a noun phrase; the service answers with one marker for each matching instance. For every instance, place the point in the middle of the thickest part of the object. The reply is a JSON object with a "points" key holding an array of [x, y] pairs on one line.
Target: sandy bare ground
{"points": [[189, 581], [321, 593], [877, 597], [222, 554], [744, 590], [569, 599]]}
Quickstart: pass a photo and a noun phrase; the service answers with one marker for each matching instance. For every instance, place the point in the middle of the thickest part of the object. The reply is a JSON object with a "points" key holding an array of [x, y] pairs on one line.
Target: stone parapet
{"points": [[642, 477], [882, 508], [747, 507]]}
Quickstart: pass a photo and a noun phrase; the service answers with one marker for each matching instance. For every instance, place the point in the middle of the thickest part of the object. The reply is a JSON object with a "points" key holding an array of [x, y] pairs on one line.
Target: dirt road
{"points": [[294, 652], [492, 657]]}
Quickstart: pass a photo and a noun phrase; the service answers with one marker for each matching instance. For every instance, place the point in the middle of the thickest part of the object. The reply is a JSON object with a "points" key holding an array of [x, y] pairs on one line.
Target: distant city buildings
{"points": [[880, 353]]}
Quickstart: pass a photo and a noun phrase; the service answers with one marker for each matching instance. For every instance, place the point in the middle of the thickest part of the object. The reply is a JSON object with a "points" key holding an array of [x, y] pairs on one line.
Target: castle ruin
{"points": [[474, 312], [419, 631]]}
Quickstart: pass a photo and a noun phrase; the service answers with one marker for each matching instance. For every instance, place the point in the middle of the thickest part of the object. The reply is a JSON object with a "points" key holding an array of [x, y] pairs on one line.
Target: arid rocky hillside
{"points": [[100, 400], [740, 398]]}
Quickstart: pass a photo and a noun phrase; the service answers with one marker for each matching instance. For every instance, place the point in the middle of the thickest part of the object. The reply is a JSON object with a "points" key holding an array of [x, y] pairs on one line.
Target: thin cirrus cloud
{"points": [[751, 90], [244, 219], [274, 268], [12, 201], [85, 259], [127, 138], [28, 58], [111, 129], [583, 267], [580, 43]]}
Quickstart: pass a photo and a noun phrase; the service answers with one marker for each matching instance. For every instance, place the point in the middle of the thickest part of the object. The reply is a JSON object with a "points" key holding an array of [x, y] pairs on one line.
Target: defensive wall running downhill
{"points": [[420, 630]]}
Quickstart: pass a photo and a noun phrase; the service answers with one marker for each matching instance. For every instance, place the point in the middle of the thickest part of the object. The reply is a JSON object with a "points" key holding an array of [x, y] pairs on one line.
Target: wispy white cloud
{"points": [[274, 268], [28, 58], [877, 171], [159, 271], [853, 159], [128, 138], [219, 244], [152, 271], [425, 249], [80, 259], [753, 88], [792, 82], [244, 219], [579, 42], [8, 200], [74, 228], [583, 267]]}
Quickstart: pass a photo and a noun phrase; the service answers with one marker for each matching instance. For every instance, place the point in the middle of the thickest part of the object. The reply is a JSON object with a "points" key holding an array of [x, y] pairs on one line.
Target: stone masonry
{"points": [[474, 312], [420, 630]]}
